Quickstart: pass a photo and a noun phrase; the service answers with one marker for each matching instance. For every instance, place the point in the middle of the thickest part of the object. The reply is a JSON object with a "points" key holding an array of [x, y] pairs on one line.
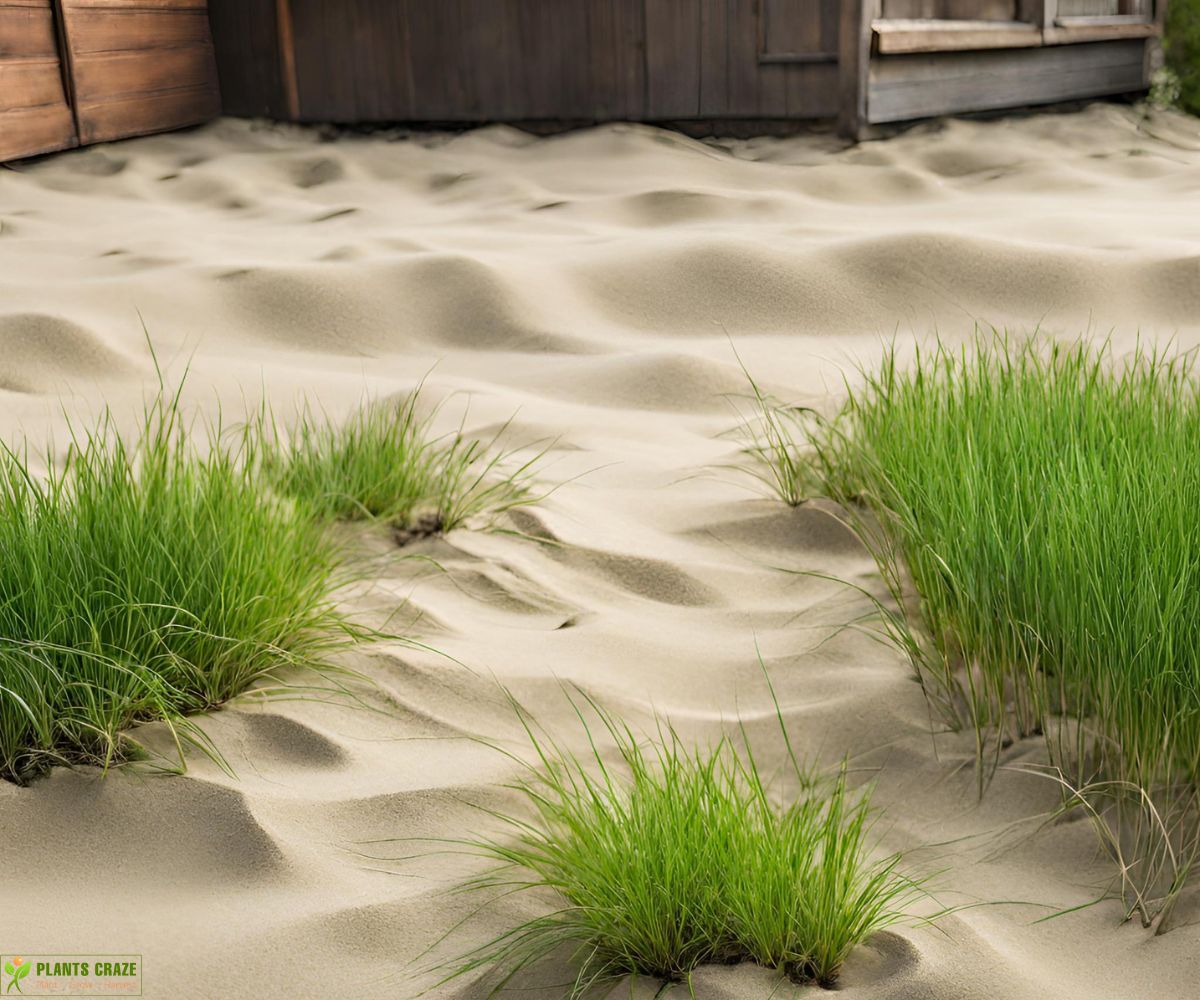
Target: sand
{"points": [[589, 283]]}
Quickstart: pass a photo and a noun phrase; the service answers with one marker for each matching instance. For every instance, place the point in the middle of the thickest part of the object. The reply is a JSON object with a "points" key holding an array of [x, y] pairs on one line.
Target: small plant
{"points": [[1031, 507], [662, 857], [145, 581], [1182, 44], [774, 438], [386, 463]]}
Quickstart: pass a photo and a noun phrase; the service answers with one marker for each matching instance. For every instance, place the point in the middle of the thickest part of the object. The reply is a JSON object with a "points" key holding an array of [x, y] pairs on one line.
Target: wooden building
{"points": [[82, 71], [862, 61], [78, 71]]}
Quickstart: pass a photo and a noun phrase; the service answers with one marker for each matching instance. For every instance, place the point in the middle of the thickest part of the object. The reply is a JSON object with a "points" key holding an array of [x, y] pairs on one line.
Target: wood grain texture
{"points": [[967, 10], [246, 42], [34, 114], [894, 36], [520, 60], [139, 66], [918, 86]]}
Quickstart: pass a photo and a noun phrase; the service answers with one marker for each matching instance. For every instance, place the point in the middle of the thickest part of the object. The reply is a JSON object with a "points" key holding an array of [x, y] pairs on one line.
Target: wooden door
{"points": [[34, 114], [139, 66]]}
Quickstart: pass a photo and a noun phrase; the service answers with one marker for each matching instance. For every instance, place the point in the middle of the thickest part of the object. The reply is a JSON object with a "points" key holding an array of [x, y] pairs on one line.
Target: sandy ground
{"points": [[588, 283]]}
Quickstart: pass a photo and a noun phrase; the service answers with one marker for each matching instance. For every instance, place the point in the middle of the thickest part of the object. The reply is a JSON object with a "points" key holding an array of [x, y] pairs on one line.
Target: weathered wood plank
{"points": [[967, 10], [138, 67], [30, 83], [1070, 30], [27, 32], [34, 115], [246, 45], [672, 59], [905, 87], [92, 30], [714, 59], [854, 60], [141, 114], [33, 131], [789, 28], [114, 75], [469, 60], [894, 36]]}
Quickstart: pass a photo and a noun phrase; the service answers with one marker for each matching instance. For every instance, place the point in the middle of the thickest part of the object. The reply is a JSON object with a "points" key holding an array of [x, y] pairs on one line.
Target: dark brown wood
{"points": [[246, 42], [577, 61], [138, 66], [34, 114], [286, 49], [672, 59]]}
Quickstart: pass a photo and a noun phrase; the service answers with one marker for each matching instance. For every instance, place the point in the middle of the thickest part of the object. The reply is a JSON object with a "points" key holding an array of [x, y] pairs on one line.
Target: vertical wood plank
{"points": [[139, 66], [34, 114], [246, 45], [672, 59], [854, 61]]}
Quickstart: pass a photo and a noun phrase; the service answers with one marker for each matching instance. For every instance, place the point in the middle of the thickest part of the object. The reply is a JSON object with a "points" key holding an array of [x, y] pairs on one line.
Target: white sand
{"points": [[589, 282]]}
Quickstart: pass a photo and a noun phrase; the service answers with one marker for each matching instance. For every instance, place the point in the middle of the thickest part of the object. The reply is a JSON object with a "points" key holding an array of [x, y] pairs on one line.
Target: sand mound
{"points": [[40, 352], [587, 283]]}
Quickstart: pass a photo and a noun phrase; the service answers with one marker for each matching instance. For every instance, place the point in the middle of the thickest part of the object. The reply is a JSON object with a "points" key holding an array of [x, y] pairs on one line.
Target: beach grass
{"points": [[659, 857], [1182, 47], [387, 463], [146, 578], [1032, 508]]}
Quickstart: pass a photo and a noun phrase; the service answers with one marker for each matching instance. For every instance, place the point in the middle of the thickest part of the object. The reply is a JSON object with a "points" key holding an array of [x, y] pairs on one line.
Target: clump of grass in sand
{"points": [[387, 463], [1032, 507], [144, 580], [666, 857]]}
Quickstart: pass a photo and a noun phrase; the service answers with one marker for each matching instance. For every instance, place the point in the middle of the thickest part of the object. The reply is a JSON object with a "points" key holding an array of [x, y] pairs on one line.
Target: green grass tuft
{"points": [[1182, 43], [1032, 507], [146, 580], [386, 463], [663, 857]]}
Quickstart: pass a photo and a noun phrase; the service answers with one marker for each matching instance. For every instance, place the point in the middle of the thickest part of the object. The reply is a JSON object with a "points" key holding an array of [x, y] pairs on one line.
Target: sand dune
{"points": [[589, 283]]}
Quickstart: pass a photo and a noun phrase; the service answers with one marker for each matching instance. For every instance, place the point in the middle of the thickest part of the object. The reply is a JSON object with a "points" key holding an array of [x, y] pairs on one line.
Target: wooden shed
{"points": [[82, 71], [861, 61]]}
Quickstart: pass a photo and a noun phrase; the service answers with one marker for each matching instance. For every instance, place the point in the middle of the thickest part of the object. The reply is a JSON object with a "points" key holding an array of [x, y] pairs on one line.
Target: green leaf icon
{"points": [[8, 967]]}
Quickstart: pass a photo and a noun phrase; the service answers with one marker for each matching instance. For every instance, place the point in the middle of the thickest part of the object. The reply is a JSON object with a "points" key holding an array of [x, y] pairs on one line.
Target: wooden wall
{"points": [[904, 87], [967, 10], [246, 41], [575, 61], [572, 60], [34, 114], [138, 66]]}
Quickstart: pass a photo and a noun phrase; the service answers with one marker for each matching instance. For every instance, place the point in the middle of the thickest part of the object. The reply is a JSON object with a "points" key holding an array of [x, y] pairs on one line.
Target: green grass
{"points": [[1182, 44], [146, 580], [386, 463], [664, 857], [1033, 510], [772, 433]]}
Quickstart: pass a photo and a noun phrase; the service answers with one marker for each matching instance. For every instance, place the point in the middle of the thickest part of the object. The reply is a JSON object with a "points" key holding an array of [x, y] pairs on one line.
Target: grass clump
{"points": [[662, 857], [146, 580], [1182, 44], [386, 463], [1032, 506]]}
